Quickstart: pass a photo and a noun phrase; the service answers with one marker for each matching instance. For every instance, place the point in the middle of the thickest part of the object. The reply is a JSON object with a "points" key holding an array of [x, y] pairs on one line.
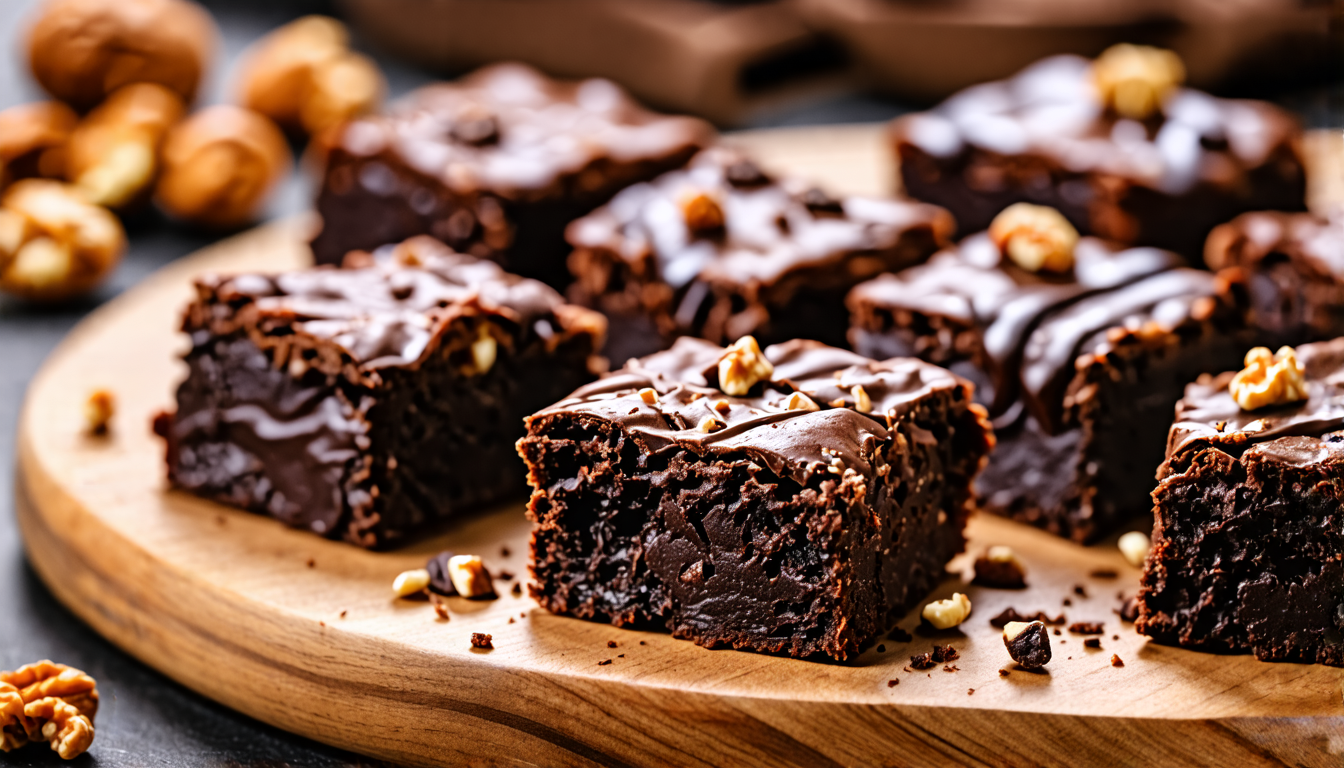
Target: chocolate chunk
{"points": [[1028, 643], [439, 580], [922, 661], [1092, 642]]}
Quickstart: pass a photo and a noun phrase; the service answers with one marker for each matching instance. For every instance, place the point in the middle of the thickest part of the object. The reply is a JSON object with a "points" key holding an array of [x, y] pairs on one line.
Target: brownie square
{"points": [[365, 404], [495, 164], [809, 514], [1294, 264], [1248, 533], [1044, 136], [720, 250], [1079, 371]]}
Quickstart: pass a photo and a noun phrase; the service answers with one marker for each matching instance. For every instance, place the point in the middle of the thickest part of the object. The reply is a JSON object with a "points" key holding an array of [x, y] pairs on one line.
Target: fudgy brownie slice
{"points": [[364, 404], [1079, 369], [721, 250], [1050, 136], [801, 514], [1295, 271], [495, 164], [1248, 535]]}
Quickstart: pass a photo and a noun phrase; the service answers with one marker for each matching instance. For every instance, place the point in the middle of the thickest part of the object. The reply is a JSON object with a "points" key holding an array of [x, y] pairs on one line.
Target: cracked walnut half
{"points": [[47, 702]]}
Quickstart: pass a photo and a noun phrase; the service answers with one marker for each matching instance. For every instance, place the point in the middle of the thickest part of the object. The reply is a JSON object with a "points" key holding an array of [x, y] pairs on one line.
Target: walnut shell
{"points": [[54, 243], [219, 166], [82, 50]]}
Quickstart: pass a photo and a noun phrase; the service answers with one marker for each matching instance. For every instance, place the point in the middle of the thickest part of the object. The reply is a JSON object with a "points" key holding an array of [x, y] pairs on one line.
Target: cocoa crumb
{"points": [[506, 575], [1080, 591], [1067, 601], [512, 620], [480, 640], [1116, 662], [504, 552], [1115, 637], [970, 691], [343, 612], [943, 653], [611, 643], [604, 662], [899, 635], [1105, 573], [312, 563], [950, 667], [1092, 642], [620, 655], [1004, 673], [881, 648], [893, 683], [641, 642], [922, 661], [1087, 628], [1056, 631], [517, 590]]}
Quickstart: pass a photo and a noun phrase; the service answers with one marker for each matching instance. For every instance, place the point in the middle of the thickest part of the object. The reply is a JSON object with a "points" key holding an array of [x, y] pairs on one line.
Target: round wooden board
{"points": [[303, 633]]}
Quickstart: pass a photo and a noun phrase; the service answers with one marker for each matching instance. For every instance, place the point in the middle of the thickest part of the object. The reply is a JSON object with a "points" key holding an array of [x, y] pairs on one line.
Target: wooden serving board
{"points": [[304, 633]]}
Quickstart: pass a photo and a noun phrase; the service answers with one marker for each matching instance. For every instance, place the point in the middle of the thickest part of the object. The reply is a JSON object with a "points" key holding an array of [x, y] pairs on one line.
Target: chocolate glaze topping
{"points": [[794, 443], [1035, 324], [773, 229], [510, 130], [1297, 433], [387, 314]]}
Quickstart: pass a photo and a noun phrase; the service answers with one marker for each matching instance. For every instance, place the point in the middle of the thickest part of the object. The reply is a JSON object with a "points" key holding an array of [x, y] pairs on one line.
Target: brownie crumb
{"points": [[1080, 590], [1004, 673], [441, 611], [1105, 573], [312, 563], [1115, 637], [951, 668], [1129, 609], [1011, 614], [604, 662], [1067, 601], [611, 643], [1092, 642], [922, 661], [479, 640], [1116, 662], [999, 568], [506, 575], [517, 589], [900, 635], [893, 683], [641, 642], [970, 691], [512, 620], [620, 655], [1057, 632], [343, 612], [881, 648], [1028, 643], [943, 653], [504, 552], [523, 615], [1087, 628]]}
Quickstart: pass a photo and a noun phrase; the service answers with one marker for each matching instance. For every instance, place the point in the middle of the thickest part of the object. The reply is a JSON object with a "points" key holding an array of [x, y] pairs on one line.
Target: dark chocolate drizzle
{"points": [[793, 443]]}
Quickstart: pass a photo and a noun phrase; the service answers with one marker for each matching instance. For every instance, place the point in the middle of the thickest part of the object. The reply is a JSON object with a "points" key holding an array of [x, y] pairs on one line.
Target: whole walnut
{"points": [[55, 244], [82, 50], [33, 140], [304, 76], [219, 166], [113, 154]]}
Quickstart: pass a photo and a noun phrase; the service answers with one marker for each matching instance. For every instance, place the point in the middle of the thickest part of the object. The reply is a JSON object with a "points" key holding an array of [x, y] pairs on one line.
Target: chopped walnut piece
{"points": [[710, 424], [470, 577], [69, 732], [800, 402], [1133, 80], [742, 366], [649, 395], [484, 350], [1269, 379], [1134, 546], [98, 410], [703, 214], [862, 402], [1037, 238], [410, 582], [13, 730], [48, 702], [945, 614]]}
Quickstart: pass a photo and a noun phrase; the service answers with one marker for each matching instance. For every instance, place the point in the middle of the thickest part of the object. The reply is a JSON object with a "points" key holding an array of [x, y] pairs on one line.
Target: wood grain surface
{"points": [[304, 633]]}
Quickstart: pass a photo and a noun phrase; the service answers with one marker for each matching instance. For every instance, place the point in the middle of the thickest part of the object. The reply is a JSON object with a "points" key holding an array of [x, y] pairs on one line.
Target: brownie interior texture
{"points": [[1248, 546], [744, 541], [317, 398]]}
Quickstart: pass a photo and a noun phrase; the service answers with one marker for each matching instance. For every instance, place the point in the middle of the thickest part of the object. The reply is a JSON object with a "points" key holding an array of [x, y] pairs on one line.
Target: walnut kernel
{"points": [[54, 244], [1036, 237], [112, 155], [304, 76], [220, 164], [1134, 546], [1269, 379], [98, 411], [649, 395], [82, 50], [58, 704], [484, 350], [710, 424], [862, 402], [33, 139], [945, 614], [13, 726], [800, 402], [741, 366], [469, 577], [410, 582], [1133, 80]]}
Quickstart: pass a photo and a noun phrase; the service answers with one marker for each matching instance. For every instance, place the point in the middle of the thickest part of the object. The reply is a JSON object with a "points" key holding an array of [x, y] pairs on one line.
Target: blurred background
{"points": [[743, 64]]}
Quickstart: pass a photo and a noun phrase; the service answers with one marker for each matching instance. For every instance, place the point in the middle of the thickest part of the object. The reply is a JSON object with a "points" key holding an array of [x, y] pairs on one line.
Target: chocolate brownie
{"points": [[1044, 136], [495, 164], [1079, 370], [721, 249], [365, 404], [1295, 271], [801, 517], [1248, 536]]}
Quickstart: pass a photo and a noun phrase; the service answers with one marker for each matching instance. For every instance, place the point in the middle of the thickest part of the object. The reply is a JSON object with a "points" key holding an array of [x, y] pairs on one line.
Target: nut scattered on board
{"points": [[112, 156], [1036, 238], [470, 577], [98, 411], [54, 244], [1000, 568], [945, 614], [702, 214], [1133, 80], [410, 582], [219, 166], [82, 50], [47, 702], [1268, 379], [33, 140], [742, 366], [1028, 643], [1134, 546], [305, 77]]}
